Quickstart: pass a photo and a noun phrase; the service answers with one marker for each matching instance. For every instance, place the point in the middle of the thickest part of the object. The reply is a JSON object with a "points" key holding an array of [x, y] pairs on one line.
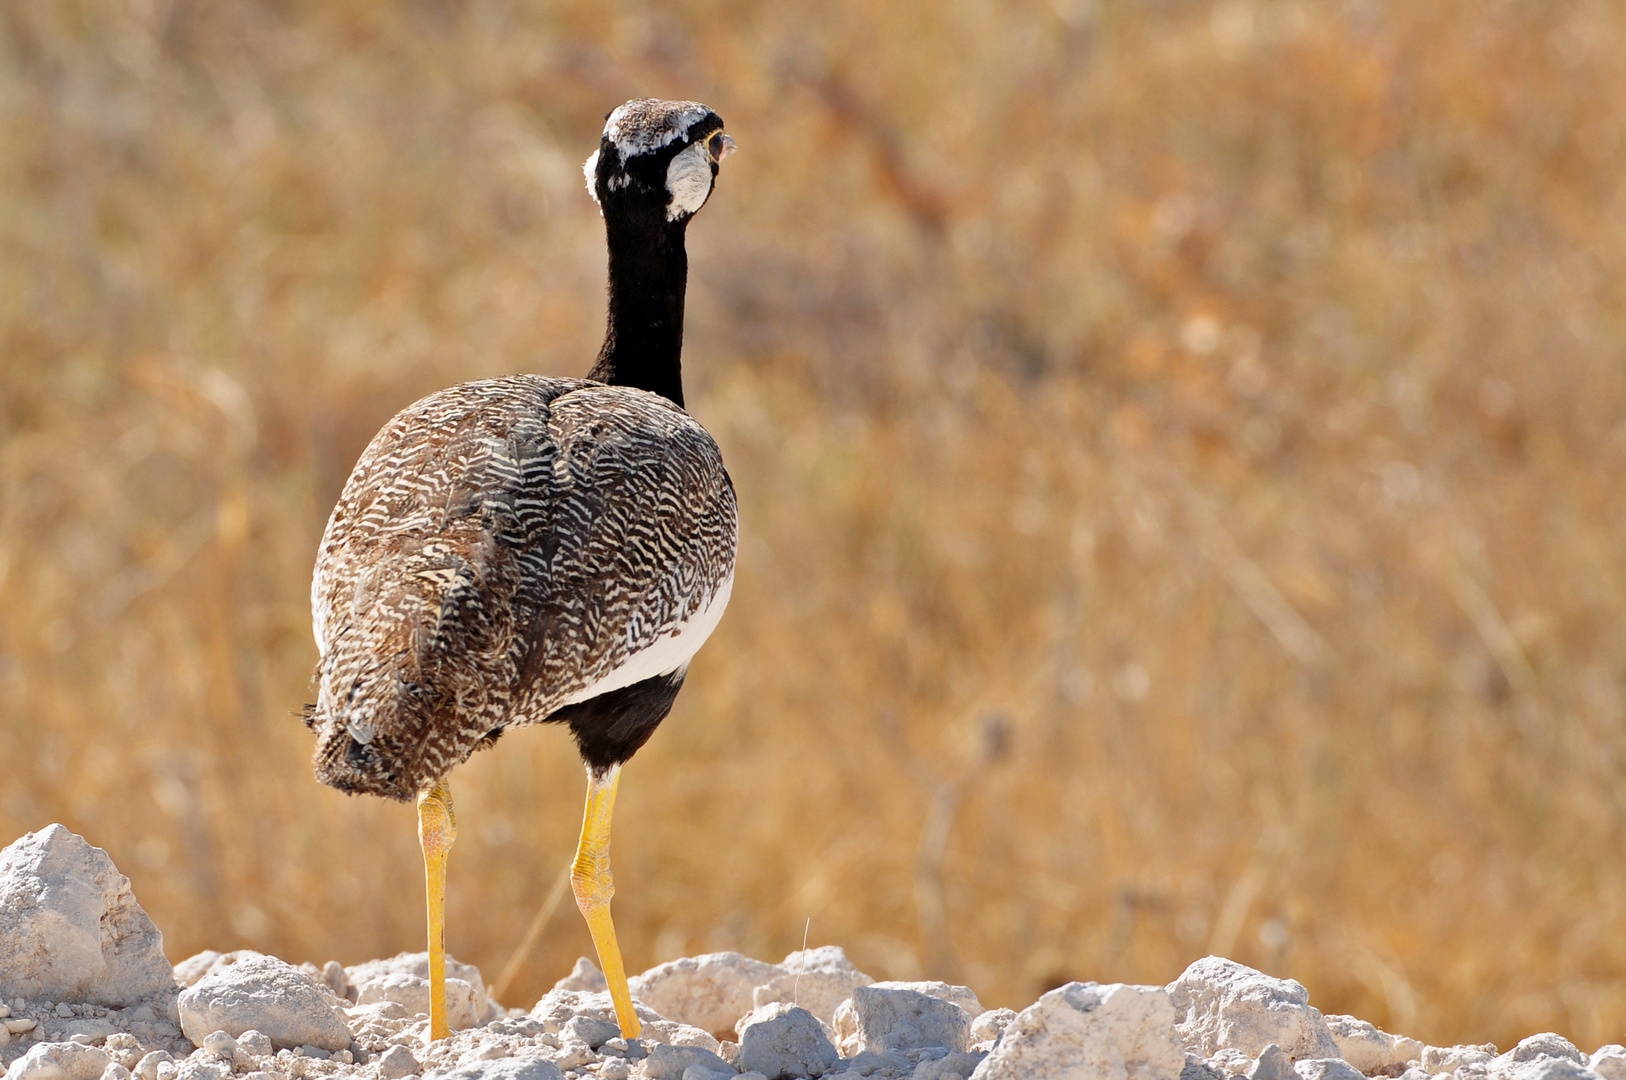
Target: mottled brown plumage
{"points": [[501, 547]]}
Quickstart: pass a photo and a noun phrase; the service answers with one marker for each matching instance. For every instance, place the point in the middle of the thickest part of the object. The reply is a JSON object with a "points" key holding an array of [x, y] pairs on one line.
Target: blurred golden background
{"points": [[1179, 448]]}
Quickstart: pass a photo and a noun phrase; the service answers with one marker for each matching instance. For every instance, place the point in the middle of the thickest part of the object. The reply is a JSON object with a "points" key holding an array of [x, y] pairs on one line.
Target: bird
{"points": [[536, 550]]}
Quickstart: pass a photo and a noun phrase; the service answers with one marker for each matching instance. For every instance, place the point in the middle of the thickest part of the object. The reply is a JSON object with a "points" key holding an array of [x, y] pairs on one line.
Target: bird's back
{"points": [[504, 548]]}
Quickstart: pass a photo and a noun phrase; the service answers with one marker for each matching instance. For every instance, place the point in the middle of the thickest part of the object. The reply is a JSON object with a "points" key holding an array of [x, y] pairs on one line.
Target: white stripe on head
{"points": [[648, 124]]}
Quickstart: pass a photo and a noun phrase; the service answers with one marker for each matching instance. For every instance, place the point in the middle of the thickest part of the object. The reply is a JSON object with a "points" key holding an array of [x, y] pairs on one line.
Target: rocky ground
{"points": [[89, 995]]}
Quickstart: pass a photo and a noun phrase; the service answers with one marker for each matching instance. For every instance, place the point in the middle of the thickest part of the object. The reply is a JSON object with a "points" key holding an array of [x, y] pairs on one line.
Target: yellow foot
{"points": [[591, 881], [437, 829]]}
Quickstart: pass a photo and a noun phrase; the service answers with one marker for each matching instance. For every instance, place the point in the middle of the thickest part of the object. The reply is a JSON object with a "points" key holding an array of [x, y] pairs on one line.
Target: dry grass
{"points": [[1179, 449]]}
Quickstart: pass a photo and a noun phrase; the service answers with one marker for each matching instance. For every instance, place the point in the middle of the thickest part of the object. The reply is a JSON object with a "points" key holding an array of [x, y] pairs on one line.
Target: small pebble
{"points": [[314, 1052], [64, 1010], [615, 1069], [220, 1044], [5, 1010], [147, 1067]]}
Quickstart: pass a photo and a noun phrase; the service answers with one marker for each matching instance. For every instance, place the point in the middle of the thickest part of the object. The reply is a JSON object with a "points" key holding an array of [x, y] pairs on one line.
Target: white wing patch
{"points": [[668, 653], [688, 179]]}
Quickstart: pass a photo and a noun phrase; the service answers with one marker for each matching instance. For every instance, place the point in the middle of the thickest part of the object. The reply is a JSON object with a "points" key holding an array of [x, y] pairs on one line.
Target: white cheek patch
{"points": [[688, 179]]}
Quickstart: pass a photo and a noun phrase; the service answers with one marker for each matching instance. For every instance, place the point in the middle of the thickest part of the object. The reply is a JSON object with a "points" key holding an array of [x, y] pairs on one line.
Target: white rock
{"points": [[1448, 1059], [70, 927], [944, 1068], [845, 1021], [1545, 1045], [60, 1060], [1220, 1003], [269, 996], [1609, 1062], [254, 1044], [219, 1043], [617, 1069], [465, 1007], [512, 1068], [818, 980], [397, 1062], [558, 1007], [418, 964], [1544, 1068], [584, 977], [591, 1030], [195, 967], [667, 1062], [990, 1025], [891, 1019], [147, 1067], [115, 1071], [1326, 1069], [700, 1072], [782, 1040], [1370, 1048], [573, 1054], [710, 992], [819, 992], [1273, 1064], [20, 1024], [1086, 1031]]}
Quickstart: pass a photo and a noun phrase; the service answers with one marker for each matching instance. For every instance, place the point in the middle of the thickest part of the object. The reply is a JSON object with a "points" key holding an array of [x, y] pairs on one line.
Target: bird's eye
{"points": [[715, 145]]}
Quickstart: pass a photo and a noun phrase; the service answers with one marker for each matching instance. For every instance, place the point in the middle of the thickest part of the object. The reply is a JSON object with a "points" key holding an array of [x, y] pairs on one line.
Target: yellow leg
{"points": [[437, 829], [590, 880]]}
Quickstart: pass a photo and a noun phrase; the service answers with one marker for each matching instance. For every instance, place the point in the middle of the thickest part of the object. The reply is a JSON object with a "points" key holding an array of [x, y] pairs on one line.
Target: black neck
{"points": [[643, 343]]}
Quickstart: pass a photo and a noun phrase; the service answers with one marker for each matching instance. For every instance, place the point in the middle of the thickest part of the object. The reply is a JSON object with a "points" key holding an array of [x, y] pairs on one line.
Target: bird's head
{"points": [[657, 160]]}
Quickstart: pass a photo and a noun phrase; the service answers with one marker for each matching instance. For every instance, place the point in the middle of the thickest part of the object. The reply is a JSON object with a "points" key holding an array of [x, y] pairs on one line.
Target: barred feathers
{"points": [[502, 549]]}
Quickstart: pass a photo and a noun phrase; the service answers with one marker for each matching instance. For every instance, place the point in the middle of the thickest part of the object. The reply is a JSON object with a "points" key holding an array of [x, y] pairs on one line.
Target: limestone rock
{"points": [[584, 977], [1273, 1064], [1438, 1059], [1326, 1069], [990, 1025], [464, 1006], [1369, 1048], [508, 1068], [667, 1062], [781, 1040], [267, 995], [558, 1007], [397, 1062], [418, 964], [1546, 1045], [906, 1020], [70, 928], [818, 980], [845, 1021], [60, 1060], [1609, 1062], [1544, 1068], [591, 1030], [710, 992], [1220, 1003], [943, 1068], [1086, 1031]]}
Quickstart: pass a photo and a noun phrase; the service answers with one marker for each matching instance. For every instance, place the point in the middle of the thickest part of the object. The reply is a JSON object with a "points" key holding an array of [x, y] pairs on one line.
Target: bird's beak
{"points": [[729, 146]]}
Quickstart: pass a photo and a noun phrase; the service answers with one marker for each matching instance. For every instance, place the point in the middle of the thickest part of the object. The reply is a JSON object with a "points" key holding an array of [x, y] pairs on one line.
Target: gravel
{"points": [[85, 999]]}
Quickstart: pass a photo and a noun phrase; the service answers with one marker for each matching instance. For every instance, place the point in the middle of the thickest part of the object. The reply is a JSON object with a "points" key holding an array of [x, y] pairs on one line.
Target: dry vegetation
{"points": [[1179, 449]]}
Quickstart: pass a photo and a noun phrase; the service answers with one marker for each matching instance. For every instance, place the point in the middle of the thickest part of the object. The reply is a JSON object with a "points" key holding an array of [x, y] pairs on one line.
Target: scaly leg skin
{"points": [[437, 829], [590, 880]]}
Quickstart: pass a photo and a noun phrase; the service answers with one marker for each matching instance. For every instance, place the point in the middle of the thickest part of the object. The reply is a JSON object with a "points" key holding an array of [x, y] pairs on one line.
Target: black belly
{"points": [[610, 728]]}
